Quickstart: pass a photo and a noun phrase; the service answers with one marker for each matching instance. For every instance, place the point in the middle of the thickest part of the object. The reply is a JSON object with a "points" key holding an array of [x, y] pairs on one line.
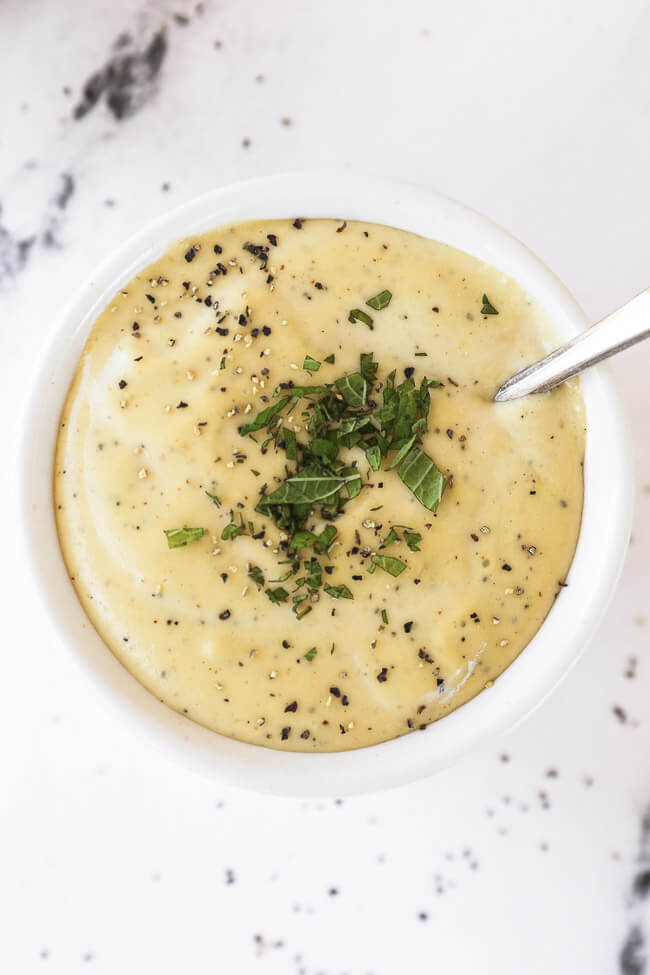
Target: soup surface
{"points": [[319, 569]]}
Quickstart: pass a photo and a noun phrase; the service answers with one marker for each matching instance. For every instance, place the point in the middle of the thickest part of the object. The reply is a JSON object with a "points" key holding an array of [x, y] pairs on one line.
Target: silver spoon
{"points": [[620, 330]]}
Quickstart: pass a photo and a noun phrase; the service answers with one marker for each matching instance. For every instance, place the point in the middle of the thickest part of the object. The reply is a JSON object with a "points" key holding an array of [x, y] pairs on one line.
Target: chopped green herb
{"points": [[421, 475], [354, 486], [233, 531], [306, 487], [330, 359], [214, 498], [285, 575], [413, 540], [326, 450], [326, 538], [223, 362], [402, 452], [391, 537], [177, 537], [278, 595], [290, 444], [368, 367], [389, 564], [353, 389], [314, 576], [338, 592], [297, 391], [488, 308], [384, 617], [264, 417], [256, 574], [312, 365], [256, 473], [420, 353], [351, 412], [310, 654], [356, 315], [380, 301], [373, 456], [302, 539]]}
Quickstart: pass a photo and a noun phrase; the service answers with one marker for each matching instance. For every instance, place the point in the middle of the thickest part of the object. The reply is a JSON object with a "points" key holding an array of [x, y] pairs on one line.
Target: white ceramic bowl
{"points": [[568, 627]]}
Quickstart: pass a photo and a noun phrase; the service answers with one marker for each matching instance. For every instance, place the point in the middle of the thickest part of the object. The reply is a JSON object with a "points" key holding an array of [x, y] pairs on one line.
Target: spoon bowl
{"points": [[620, 330]]}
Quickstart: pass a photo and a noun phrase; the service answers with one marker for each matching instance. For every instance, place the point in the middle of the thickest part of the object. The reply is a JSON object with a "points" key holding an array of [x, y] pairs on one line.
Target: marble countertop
{"points": [[533, 855]]}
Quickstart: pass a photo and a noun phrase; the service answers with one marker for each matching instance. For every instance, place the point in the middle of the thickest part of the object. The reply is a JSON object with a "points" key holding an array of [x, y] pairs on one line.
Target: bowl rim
{"points": [[595, 569]]}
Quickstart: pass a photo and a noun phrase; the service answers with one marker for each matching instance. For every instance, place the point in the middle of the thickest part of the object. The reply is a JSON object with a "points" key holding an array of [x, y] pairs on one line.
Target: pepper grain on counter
{"points": [[289, 504]]}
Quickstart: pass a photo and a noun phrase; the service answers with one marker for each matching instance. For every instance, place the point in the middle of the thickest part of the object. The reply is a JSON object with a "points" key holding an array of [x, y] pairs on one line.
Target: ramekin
{"points": [[567, 629]]}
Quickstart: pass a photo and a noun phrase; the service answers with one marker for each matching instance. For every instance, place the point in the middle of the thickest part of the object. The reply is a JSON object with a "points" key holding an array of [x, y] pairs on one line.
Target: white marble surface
{"points": [[111, 859]]}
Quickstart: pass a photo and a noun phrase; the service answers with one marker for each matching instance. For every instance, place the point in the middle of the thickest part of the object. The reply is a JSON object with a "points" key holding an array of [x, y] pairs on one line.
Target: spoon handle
{"points": [[620, 330]]}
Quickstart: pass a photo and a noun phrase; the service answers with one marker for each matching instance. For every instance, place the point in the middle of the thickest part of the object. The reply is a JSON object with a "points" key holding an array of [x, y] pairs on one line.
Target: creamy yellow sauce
{"points": [[193, 347]]}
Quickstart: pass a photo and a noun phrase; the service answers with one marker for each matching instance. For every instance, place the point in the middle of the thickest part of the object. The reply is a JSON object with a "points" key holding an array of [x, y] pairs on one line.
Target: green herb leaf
{"points": [[391, 537], [223, 362], [380, 301], [354, 486], [232, 531], [368, 367], [326, 538], [325, 449], [290, 444], [285, 575], [338, 592], [310, 654], [407, 408], [382, 443], [299, 391], [402, 452], [214, 498], [278, 595], [302, 539], [373, 456], [330, 359], [312, 365], [314, 576], [413, 540], [488, 308], [307, 487], [352, 423], [256, 574], [388, 564], [353, 389], [384, 617], [421, 475], [177, 537], [356, 315], [264, 417]]}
